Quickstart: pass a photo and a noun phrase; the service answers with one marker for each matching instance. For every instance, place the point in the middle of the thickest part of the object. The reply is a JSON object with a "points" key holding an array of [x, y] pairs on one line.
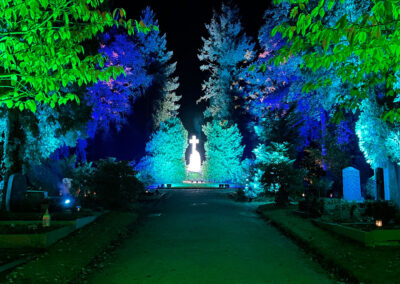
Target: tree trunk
{"points": [[13, 148]]}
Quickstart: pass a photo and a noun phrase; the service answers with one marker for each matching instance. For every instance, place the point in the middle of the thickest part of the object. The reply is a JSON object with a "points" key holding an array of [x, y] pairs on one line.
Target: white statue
{"points": [[194, 159]]}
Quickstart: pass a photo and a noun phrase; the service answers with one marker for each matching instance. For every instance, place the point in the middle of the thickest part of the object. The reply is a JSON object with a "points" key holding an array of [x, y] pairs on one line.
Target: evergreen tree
{"points": [[225, 48], [153, 46], [223, 152], [165, 159], [278, 171]]}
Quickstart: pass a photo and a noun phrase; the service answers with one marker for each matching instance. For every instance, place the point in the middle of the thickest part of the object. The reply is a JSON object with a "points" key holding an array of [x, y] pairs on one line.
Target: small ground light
{"points": [[330, 195], [303, 194], [378, 223], [67, 201]]}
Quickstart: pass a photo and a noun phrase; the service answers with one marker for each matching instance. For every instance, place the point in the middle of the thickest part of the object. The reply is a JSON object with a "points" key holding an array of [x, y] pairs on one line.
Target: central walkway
{"points": [[201, 236]]}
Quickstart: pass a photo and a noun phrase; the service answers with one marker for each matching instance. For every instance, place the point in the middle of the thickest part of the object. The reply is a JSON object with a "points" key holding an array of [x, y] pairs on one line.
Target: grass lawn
{"points": [[348, 259], [64, 261]]}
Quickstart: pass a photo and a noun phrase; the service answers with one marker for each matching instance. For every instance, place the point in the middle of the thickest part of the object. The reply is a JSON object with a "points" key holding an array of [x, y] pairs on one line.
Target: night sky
{"points": [[184, 25]]}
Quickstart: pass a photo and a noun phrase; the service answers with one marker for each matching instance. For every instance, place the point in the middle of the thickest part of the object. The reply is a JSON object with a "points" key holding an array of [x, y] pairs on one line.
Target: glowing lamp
{"points": [[67, 201], [378, 223], [303, 194]]}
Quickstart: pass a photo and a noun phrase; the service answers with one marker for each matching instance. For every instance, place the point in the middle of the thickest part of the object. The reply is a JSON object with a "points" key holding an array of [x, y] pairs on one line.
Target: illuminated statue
{"points": [[195, 159]]}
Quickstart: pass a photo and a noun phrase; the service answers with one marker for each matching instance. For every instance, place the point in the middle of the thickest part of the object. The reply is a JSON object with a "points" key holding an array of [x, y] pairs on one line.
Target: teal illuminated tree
{"points": [[223, 152], [165, 159]]}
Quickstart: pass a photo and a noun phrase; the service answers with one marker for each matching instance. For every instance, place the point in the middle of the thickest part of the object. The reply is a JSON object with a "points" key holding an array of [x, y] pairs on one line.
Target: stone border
{"points": [[42, 240], [371, 239]]}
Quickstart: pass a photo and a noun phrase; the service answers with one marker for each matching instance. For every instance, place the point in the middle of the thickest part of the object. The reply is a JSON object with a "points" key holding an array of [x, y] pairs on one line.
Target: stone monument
{"points": [[15, 191], [351, 184]]}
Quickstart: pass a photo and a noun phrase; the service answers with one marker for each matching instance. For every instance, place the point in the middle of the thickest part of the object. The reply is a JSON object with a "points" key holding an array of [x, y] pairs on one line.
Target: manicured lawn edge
{"points": [[63, 262], [348, 260]]}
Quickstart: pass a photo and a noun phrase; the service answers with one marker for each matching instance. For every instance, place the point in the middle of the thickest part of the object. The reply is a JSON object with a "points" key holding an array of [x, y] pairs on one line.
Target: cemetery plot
{"points": [[31, 234], [371, 238]]}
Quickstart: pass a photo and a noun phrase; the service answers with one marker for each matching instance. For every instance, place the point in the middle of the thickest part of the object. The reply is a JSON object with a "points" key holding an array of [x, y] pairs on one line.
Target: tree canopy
{"points": [[41, 49]]}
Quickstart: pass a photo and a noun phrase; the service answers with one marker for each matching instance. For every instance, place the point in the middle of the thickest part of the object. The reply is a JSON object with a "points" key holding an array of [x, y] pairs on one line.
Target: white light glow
{"points": [[194, 159]]}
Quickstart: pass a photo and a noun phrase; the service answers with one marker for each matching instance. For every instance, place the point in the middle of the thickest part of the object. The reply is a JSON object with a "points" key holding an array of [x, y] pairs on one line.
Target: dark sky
{"points": [[183, 22]]}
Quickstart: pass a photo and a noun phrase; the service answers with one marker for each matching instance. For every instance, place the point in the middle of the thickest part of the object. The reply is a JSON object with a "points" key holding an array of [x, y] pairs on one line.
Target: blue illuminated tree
{"points": [[112, 100]]}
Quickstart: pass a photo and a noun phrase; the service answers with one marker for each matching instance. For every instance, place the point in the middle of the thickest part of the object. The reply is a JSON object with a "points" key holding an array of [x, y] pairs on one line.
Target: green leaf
{"points": [[322, 12], [9, 103], [314, 12], [294, 12], [31, 105], [77, 99], [330, 4]]}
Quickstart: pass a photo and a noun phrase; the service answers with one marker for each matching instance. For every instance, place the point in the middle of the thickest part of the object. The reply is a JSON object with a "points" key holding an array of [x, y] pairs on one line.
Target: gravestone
{"points": [[351, 184], [388, 182], [16, 189]]}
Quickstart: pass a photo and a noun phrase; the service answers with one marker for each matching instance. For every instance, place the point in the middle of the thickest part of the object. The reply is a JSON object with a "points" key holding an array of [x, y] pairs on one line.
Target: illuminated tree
{"points": [[278, 171], [41, 49], [112, 100], [41, 52], [362, 49], [226, 47], [165, 159], [223, 152], [158, 65]]}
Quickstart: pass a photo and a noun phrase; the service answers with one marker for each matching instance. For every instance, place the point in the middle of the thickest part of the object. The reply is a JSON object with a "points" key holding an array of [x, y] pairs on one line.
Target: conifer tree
{"points": [[165, 159], [225, 48], [223, 151], [158, 65]]}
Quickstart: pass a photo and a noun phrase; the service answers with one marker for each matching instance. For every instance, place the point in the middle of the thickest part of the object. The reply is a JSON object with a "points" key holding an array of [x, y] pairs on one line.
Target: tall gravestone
{"points": [[15, 192], [351, 184], [391, 182]]}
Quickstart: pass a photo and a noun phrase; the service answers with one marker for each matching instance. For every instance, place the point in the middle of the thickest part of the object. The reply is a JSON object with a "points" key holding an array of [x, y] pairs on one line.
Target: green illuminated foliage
{"points": [[362, 48], [41, 49]]}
